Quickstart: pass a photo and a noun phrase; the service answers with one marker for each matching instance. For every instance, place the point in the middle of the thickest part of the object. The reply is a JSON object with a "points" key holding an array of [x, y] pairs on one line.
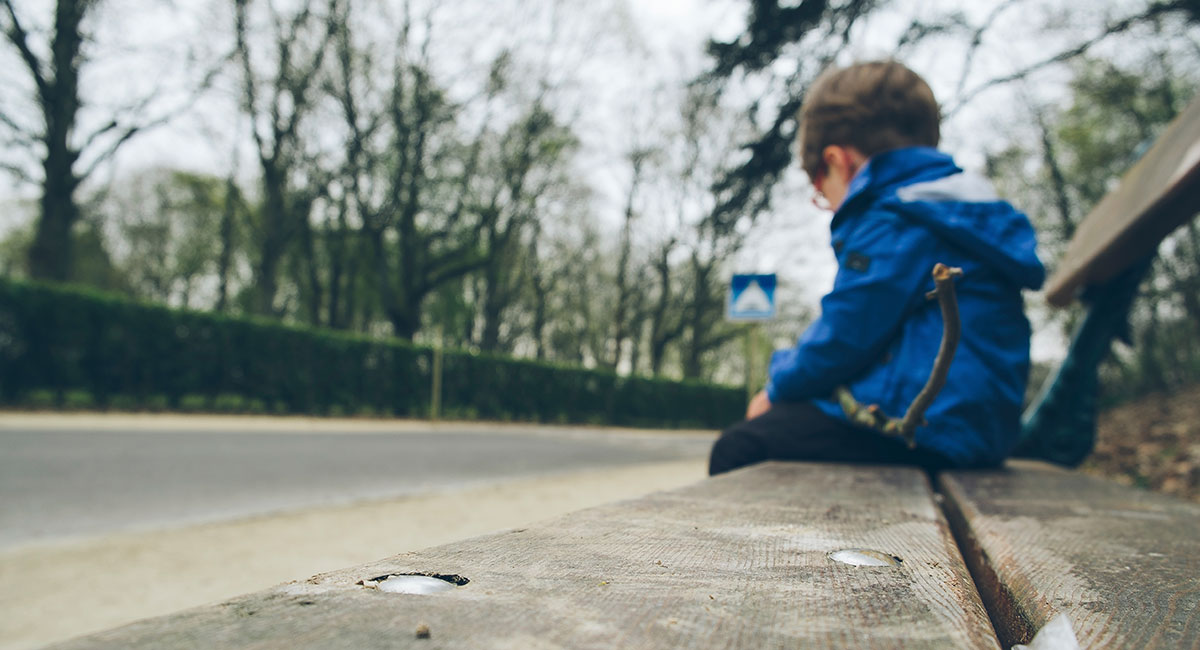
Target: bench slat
{"points": [[740, 560], [1158, 194], [1122, 563]]}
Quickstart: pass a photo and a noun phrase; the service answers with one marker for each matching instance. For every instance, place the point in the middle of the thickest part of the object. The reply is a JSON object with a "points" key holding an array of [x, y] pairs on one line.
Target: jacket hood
{"points": [[924, 185]]}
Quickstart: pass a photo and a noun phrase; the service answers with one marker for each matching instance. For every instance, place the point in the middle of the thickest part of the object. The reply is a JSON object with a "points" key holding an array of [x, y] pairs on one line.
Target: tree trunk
{"points": [[315, 290], [274, 238], [621, 329], [336, 243], [50, 256], [493, 293], [489, 340], [225, 260], [1058, 183], [661, 332], [405, 319], [541, 292]]}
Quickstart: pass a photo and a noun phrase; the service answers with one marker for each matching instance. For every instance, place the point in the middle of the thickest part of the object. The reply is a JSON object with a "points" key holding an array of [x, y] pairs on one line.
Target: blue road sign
{"points": [[751, 297]]}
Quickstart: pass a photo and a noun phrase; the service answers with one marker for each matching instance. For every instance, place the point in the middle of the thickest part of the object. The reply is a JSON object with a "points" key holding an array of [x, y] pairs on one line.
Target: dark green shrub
{"points": [[76, 348]]}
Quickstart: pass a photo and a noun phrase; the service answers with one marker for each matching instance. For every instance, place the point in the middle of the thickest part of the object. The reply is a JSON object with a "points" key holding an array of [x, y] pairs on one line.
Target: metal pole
{"points": [[750, 365], [751, 360], [435, 399]]}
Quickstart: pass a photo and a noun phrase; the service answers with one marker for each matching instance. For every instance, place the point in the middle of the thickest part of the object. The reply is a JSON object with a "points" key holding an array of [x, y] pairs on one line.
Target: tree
{"points": [[277, 101], [666, 317], [692, 264], [578, 329], [528, 164], [1082, 150], [706, 329], [563, 266], [56, 88], [410, 170], [171, 232], [66, 157], [626, 308], [56, 82]]}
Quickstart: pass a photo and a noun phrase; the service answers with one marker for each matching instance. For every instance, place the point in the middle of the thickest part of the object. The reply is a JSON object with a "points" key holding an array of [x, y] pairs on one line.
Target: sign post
{"points": [[751, 299]]}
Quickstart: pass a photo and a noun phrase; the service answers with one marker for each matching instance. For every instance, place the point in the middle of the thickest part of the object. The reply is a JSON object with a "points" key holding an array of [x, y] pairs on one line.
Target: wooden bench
{"points": [[740, 560], [1104, 263], [785, 555], [1040, 541], [1123, 564]]}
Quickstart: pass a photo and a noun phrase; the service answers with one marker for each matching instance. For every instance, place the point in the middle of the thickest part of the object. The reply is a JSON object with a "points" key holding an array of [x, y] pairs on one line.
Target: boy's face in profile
{"points": [[838, 166]]}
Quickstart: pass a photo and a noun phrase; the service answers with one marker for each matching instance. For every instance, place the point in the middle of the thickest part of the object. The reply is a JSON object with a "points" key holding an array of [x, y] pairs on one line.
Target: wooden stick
{"points": [[871, 416]]}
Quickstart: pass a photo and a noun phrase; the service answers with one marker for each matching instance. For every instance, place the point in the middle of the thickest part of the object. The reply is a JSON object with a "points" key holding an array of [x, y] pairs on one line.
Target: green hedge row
{"points": [[122, 353]]}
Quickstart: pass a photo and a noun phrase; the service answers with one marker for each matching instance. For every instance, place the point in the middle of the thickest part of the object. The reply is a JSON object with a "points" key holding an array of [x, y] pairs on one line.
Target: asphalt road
{"points": [[75, 480]]}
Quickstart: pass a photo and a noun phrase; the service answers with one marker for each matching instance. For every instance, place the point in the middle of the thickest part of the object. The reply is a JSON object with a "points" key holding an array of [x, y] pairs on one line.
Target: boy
{"points": [[867, 141]]}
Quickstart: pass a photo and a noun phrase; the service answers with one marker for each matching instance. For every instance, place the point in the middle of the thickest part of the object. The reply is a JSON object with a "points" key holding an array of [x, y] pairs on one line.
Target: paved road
{"points": [[75, 480]]}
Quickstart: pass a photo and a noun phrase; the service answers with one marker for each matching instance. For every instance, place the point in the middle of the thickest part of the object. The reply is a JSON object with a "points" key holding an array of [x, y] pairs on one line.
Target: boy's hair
{"points": [[873, 107]]}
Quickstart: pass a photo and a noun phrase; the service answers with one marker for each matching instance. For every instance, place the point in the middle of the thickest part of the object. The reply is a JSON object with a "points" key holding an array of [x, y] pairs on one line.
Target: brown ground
{"points": [[1152, 443]]}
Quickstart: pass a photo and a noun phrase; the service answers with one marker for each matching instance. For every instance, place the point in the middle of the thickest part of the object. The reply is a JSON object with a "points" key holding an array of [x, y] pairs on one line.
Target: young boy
{"points": [[867, 141]]}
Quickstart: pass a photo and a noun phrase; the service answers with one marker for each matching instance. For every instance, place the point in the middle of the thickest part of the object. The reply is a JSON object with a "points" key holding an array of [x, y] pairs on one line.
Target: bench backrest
{"points": [[1158, 194], [1109, 255]]}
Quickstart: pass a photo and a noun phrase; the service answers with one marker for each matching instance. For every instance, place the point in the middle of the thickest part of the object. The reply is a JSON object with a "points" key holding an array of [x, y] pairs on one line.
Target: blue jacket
{"points": [[878, 335]]}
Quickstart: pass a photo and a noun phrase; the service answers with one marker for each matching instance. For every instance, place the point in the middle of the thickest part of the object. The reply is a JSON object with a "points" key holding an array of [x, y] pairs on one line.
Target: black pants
{"points": [[801, 431]]}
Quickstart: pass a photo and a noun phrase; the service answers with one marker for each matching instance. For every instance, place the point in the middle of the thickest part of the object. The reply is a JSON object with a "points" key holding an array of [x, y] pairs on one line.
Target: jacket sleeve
{"points": [[884, 267]]}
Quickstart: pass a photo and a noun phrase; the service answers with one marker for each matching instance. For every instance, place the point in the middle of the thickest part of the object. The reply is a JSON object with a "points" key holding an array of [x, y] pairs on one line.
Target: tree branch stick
{"points": [[871, 416]]}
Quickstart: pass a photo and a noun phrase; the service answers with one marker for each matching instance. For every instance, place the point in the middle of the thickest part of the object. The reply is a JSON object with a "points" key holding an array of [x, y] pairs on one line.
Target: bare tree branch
{"points": [[20, 135], [977, 41], [1117, 27], [450, 265], [20, 39], [249, 94], [16, 170], [126, 135], [307, 77], [918, 30], [128, 132]]}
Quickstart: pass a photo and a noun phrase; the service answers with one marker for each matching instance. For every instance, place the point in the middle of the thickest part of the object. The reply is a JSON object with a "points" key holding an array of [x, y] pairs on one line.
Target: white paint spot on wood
{"points": [[864, 557]]}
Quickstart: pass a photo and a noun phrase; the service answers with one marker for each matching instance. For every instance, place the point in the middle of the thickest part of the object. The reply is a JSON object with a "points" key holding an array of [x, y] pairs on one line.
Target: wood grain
{"points": [[737, 561], [1158, 194], [1122, 563]]}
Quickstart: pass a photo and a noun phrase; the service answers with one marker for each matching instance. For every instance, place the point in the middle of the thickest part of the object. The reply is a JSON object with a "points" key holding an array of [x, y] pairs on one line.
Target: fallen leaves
{"points": [[1153, 443]]}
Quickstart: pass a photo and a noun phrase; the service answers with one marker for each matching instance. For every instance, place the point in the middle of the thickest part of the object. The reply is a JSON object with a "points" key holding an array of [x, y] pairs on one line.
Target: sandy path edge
{"points": [[292, 424], [57, 592]]}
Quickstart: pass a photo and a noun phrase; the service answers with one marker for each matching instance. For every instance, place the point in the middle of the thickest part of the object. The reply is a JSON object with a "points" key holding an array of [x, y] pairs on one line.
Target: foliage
{"points": [[119, 352], [1081, 152], [45, 130], [166, 229], [815, 33]]}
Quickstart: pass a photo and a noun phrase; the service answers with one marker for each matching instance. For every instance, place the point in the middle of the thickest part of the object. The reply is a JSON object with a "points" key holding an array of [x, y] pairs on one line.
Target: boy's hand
{"points": [[759, 404]]}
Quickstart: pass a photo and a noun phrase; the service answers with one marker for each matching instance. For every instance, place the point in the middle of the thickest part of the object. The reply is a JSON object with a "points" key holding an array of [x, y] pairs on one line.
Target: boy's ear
{"points": [[829, 154], [846, 160]]}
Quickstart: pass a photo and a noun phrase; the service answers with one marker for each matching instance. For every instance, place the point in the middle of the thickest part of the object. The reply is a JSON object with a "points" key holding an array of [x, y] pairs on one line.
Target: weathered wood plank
{"points": [[1159, 193], [1122, 563], [737, 561]]}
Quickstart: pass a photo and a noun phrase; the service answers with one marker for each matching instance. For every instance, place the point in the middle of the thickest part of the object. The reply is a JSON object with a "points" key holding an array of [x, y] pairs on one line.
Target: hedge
{"points": [[117, 353]]}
